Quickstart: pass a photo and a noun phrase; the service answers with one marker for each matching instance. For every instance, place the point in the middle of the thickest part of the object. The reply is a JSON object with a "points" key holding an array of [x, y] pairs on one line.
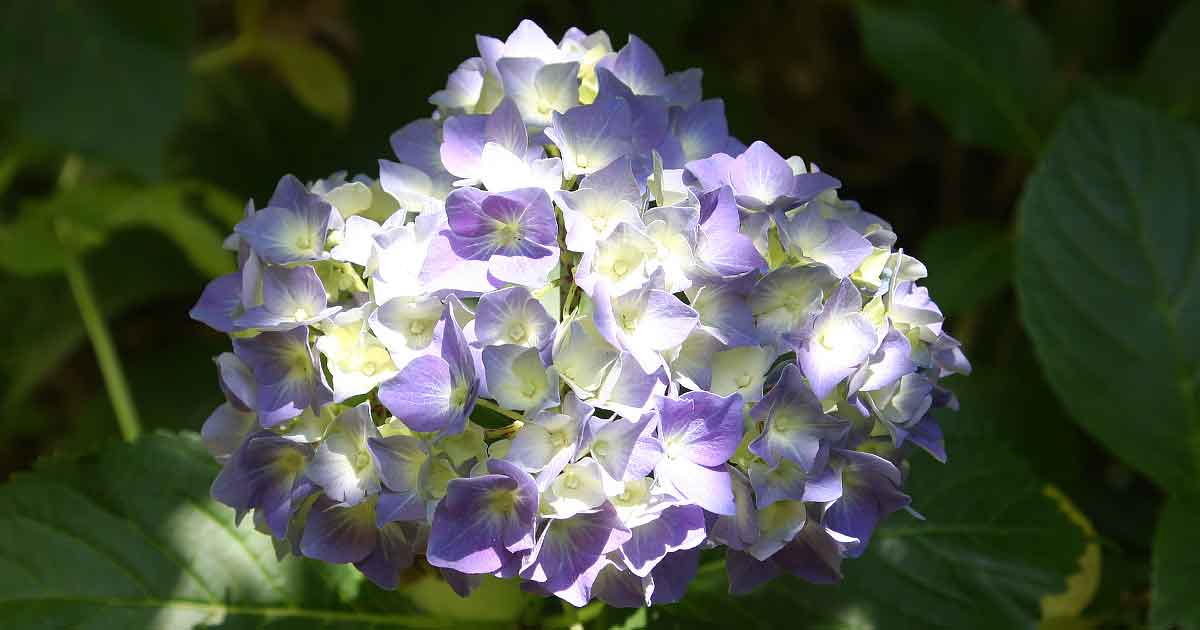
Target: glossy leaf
{"points": [[1108, 274]]}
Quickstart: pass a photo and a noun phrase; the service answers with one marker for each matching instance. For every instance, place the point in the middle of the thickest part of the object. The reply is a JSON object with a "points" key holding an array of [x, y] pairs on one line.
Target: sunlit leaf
{"points": [[128, 538], [312, 74]]}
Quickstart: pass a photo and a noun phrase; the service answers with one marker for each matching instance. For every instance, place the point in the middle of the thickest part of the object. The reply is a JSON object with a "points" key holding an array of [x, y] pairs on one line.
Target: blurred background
{"points": [[133, 133]]}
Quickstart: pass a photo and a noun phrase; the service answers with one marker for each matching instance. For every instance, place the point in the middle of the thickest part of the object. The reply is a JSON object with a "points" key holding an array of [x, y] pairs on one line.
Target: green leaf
{"points": [[131, 270], [987, 71], [313, 75], [969, 264], [1176, 564], [84, 216], [1168, 77], [106, 79], [128, 538], [992, 545], [1108, 275]]}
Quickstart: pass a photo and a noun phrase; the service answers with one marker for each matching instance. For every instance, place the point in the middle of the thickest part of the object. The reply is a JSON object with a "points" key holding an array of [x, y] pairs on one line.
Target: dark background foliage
{"points": [[1041, 157]]}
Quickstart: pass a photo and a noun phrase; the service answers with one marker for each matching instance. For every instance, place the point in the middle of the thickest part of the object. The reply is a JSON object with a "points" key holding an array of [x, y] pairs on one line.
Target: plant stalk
{"points": [[93, 319]]}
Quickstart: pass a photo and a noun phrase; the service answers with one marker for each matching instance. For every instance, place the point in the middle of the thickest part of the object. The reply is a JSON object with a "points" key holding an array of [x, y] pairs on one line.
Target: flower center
{"points": [[304, 242], [629, 321], [743, 380], [620, 268], [599, 223], [368, 369], [416, 328], [361, 460], [582, 161], [300, 314], [571, 481], [517, 333], [600, 449], [528, 390]]}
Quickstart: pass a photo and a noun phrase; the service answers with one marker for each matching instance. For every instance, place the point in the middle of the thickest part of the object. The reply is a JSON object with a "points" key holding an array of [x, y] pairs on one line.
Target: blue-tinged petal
{"points": [[625, 450], [423, 394], [927, 434], [747, 573], [236, 380], [265, 474], [828, 241], [678, 527], [670, 578], [701, 129], [760, 176], [289, 379], [700, 426], [225, 429], [796, 427], [343, 465], [484, 520], [778, 524], [513, 316], [417, 144], [569, 548], [706, 486], [591, 137], [517, 378], [870, 491], [339, 534], [290, 233], [394, 552], [220, 303]]}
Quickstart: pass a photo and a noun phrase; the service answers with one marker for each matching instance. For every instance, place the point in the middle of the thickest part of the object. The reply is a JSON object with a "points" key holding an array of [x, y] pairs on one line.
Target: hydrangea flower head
{"points": [[574, 334]]}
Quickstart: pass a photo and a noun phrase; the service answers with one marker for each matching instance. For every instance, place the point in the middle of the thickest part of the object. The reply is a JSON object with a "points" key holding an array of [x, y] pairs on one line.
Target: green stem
{"points": [[102, 344], [223, 56], [512, 415], [93, 318]]}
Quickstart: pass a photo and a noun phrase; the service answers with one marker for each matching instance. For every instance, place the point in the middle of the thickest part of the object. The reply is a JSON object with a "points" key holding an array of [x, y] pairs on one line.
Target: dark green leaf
{"points": [[969, 264], [992, 545], [1108, 273], [129, 538], [987, 71], [131, 270], [1169, 78], [1174, 605], [107, 79]]}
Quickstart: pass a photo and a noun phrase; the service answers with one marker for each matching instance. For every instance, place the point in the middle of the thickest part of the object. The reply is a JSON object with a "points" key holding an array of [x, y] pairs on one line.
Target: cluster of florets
{"points": [[574, 336]]}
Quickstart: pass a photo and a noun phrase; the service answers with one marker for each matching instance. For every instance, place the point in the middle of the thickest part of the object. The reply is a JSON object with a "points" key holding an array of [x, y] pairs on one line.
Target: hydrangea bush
{"points": [[574, 335]]}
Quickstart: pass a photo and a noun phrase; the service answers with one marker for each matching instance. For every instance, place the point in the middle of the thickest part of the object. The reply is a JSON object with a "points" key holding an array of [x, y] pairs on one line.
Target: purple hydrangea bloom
{"points": [[576, 332]]}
